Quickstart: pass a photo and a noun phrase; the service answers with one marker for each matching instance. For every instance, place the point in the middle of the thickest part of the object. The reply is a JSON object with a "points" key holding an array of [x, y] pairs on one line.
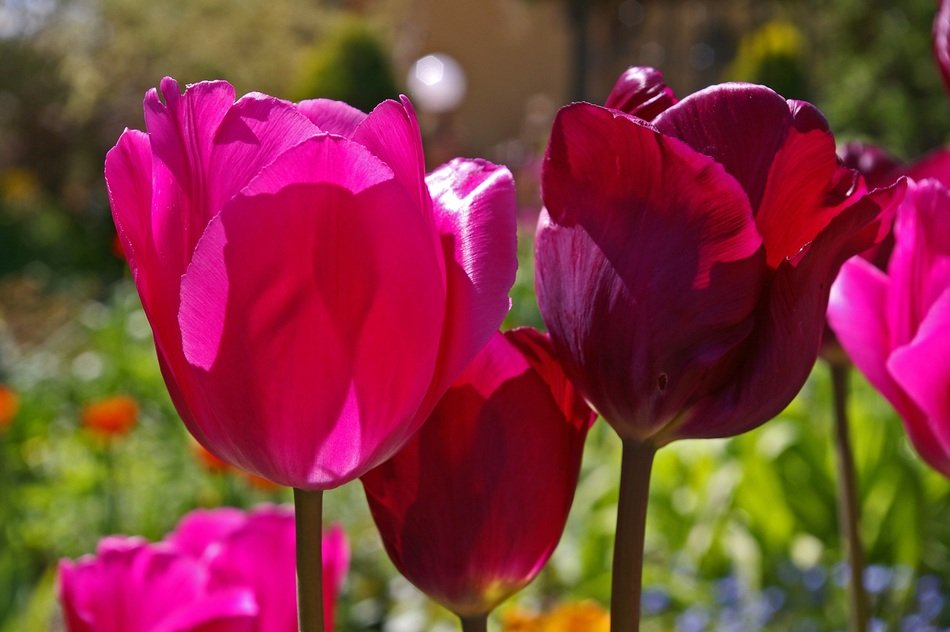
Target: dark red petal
{"points": [[650, 266], [784, 347], [641, 92], [741, 126]]}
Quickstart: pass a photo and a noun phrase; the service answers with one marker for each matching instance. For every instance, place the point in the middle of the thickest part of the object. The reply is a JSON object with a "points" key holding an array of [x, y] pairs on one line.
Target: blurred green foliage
{"points": [[871, 66], [349, 65]]}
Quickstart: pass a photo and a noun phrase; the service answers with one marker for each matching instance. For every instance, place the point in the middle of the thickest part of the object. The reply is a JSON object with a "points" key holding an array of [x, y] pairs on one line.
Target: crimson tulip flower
{"points": [[893, 325], [223, 570], [473, 506], [684, 264], [311, 292]]}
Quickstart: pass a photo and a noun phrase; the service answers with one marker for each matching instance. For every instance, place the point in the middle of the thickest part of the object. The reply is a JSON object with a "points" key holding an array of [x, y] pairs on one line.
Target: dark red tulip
{"points": [[684, 264], [472, 507]]}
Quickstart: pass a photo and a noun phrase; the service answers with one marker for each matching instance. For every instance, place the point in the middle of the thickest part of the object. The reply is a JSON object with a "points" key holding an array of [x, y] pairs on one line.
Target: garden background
{"points": [[742, 533]]}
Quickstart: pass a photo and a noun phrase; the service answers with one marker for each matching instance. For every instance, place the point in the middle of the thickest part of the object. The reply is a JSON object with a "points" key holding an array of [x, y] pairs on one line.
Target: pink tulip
{"points": [[894, 325], [222, 570], [684, 264], [311, 292], [473, 506], [941, 39], [134, 585]]}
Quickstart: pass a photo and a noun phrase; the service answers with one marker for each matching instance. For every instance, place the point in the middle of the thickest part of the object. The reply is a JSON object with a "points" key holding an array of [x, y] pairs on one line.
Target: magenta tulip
{"points": [[684, 264], [134, 585], [894, 325], [472, 507], [311, 292], [219, 571]]}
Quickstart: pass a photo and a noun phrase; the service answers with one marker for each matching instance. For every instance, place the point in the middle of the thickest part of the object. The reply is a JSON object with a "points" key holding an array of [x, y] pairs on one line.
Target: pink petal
{"points": [[784, 346], [331, 116], [934, 165], [336, 563], [640, 91], [648, 269], [129, 182], [919, 267], [260, 556], [201, 528], [391, 132], [472, 507], [941, 40], [361, 304], [922, 368], [133, 585], [474, 206], [255, 131]]}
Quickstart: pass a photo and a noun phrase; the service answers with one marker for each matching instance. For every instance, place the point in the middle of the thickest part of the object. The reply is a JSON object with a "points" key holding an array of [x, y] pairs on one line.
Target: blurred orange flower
{"points": [[208, 460], [9, 405], [571, 617], [214, 465], [111, 416]]}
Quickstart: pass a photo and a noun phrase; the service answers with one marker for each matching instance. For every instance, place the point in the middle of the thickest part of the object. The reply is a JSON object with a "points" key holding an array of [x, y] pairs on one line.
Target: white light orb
{"points": [[436, 83]]}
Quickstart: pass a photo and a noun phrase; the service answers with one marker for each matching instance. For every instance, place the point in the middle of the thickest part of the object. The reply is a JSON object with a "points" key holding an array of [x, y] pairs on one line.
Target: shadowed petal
{"points": [[790, 324], [741, 126], [640, 91], [622, 197], [332, 116], [309, 364], [255, 131]]}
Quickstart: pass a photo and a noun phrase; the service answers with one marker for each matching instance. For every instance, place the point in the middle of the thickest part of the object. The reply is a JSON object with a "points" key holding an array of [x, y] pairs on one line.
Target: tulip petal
{"points": [[640, 91], [472, 507], [473, 202], [391, 132], [256, 130], [741, 126], [788, 332], [129, 183], [934, 165], [332, 116], [201, 528], [919, 268], [268, 534], [622, 197], [327, 411], [941, 40], [922, 368]]}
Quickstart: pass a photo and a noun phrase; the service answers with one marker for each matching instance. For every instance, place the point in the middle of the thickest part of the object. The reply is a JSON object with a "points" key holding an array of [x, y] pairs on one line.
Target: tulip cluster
{"points": [[206, 575], [323, 311]]}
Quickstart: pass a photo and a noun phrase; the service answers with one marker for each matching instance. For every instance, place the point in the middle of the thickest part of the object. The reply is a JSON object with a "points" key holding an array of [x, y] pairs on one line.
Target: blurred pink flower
{"points": [[473, 506], [220, 570], [895, 325], [312, 293]]}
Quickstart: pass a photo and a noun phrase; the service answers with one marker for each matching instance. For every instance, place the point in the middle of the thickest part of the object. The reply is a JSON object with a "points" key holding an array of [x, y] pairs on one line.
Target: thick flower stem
{"points": [[848, 512], [308, 508], [477, 623], [628, 540]]}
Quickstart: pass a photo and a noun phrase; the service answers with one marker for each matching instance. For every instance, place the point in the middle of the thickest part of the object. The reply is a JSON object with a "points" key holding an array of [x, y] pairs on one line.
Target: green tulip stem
{"points": [[848, 511], [111, 517], [636, 464], [477, 623], [308, 511]]}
